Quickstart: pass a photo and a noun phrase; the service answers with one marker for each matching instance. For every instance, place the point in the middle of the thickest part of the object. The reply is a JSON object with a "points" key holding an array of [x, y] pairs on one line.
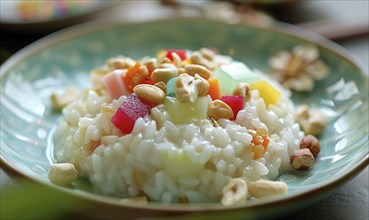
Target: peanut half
{"points": [[164, 72], [218, 109], [150, 93], [192, 69], [161, 85], [202, 85]]}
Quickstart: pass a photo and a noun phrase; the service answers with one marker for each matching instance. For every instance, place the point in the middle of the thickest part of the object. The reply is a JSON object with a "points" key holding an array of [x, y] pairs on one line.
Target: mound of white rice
{"points": [[175, 163]]}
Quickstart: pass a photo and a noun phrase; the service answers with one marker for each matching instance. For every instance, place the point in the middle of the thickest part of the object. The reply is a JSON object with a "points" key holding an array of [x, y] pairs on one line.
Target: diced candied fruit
{"points": [[134, 76], [130, 110], [214, 90], [258, 151], [114, 83], [230, 75], [236, 103], [181, 113], [267, 92], [180, 53], [260, 140]]}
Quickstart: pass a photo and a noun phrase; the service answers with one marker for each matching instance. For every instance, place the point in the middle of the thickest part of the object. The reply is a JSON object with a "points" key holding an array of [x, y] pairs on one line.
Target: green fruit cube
{"points": [[182, 113]]}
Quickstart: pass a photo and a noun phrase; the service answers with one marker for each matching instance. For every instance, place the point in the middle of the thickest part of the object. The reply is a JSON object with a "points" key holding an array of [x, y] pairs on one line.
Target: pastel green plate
{"points": [[65, 58]]}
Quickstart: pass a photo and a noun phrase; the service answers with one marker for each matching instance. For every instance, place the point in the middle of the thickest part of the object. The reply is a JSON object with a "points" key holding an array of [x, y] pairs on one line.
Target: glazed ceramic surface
{"points": [[27, 12], [64, 59]]}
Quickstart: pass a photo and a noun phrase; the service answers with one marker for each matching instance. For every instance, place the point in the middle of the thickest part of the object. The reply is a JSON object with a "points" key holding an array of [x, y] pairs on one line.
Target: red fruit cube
{"points": [[131, 109], [236, 103]]}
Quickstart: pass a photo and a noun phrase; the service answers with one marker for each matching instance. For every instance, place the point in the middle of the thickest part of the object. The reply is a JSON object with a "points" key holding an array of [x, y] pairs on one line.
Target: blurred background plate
{"points": [[65, 58], [48, 15]]}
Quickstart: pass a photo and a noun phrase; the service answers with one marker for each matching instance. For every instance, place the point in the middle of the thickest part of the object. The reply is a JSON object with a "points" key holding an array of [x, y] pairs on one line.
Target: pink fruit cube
{"points": [[114, 83]]}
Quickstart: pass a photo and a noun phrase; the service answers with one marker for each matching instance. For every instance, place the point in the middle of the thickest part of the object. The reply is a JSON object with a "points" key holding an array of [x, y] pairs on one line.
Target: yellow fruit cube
{"points": [[266, 91]]}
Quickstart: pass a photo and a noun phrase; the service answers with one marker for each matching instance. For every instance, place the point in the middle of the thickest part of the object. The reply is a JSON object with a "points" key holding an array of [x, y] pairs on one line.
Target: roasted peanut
{"points": [[312, 143], [202, 85], [164, 72], [197, 58], [150, 93], [188, 88], [161, 85], [218, 109], [193, 69], [265, 188], [235, 192], [242, 89], [150, 64], [185, 89], [62, 173], [302, 159]]}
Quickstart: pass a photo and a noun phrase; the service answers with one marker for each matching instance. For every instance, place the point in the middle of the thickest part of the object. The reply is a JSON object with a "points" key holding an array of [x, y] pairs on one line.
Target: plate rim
{"points": [[66, 34]]}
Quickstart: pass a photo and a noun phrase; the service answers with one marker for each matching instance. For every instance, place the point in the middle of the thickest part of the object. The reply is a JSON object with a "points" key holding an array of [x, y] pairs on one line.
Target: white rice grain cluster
{"points": [[174, 163]]}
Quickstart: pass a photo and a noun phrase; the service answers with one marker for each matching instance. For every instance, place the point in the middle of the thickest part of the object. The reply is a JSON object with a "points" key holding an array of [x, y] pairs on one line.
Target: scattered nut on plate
{"points": [[302, 159], [264, 188], [312, 122], [312, 143], [62, 174]]}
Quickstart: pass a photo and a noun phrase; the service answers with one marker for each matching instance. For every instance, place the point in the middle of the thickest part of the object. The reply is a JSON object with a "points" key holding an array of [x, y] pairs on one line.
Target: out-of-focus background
{"points": [[342, 21]]}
